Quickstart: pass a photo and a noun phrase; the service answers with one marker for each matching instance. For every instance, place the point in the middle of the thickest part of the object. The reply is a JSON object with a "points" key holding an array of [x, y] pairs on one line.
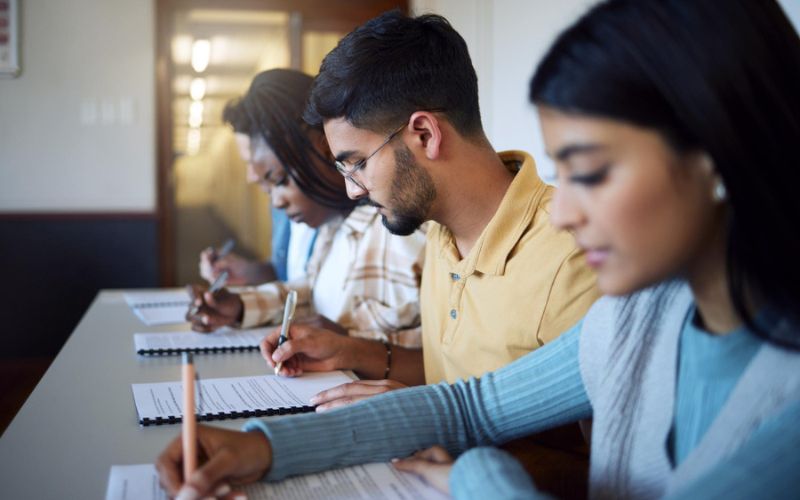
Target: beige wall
{"points": [[77, 128]]}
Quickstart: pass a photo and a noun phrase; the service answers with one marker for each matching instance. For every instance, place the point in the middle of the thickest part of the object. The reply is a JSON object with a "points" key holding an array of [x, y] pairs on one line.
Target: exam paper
{"points": [[368, 482], [223, 339], [230, 396], [134, 482], [160, 307]]}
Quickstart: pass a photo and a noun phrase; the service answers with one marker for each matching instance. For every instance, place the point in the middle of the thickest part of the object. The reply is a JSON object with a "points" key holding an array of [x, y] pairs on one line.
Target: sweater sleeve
{"points": [[491, 473], [765, 467], [538, 391]]}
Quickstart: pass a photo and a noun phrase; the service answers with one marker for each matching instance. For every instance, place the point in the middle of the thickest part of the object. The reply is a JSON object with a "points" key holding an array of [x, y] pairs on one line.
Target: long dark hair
{"points": [[272, 109], [722, 79]]}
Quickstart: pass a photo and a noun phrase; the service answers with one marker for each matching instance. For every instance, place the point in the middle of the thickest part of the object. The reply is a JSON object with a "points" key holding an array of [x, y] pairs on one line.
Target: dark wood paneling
{"points": [[53, 265], [165, 188]]}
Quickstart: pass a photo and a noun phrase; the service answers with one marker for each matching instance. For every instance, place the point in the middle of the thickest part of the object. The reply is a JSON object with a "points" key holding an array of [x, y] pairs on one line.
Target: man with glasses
{"points": [[398, 99]]}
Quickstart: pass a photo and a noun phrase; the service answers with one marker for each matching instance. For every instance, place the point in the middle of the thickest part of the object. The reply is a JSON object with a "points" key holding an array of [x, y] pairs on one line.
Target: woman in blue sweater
{"points": [[674, 126]]}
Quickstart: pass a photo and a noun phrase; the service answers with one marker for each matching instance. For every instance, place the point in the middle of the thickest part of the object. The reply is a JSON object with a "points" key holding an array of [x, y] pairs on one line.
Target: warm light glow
{"points": [[193, 141], [201, 54], [182, 49], [196, 114], [197, 89]]}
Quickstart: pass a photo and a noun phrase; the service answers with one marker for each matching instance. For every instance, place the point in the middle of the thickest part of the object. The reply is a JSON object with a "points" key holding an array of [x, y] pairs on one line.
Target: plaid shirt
{"points": [[381, 287]]}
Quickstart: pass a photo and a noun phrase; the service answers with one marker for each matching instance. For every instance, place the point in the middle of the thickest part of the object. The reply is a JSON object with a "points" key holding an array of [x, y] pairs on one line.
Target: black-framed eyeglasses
{"points": [[348, 173]]}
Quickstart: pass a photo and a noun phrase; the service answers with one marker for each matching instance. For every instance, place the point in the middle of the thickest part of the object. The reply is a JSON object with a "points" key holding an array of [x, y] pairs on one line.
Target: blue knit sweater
{"points": [[539, 391]]}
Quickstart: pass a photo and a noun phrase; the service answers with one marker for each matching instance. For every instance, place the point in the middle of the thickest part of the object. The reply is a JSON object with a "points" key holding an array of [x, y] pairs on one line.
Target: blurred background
{"points": [[116, 169]]}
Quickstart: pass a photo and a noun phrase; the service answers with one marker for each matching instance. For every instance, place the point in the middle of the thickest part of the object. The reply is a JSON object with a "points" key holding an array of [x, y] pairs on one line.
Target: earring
{"points": [[720, 192]]}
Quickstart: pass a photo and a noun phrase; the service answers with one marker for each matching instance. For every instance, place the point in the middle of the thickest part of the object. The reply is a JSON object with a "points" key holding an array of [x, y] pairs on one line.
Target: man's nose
{"points": [[354, 190]]}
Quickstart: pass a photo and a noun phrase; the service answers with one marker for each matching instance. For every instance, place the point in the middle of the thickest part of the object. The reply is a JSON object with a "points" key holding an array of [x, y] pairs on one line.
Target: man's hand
{"points": [[432, 465], [227, 458], [346, 394], [222, 308], [308, 349]]}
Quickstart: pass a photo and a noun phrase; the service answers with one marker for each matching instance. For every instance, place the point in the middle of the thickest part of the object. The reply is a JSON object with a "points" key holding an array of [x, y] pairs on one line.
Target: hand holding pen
{"points": [[288, 316], [214, 308], [215, 287], [213, 261], [190, 444], [214, 255]]}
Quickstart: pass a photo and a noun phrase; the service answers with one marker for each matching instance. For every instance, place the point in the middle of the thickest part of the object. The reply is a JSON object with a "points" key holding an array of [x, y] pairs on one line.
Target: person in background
{"points": [[292, 242], [284, 264], [673, 125], [360, 279]]}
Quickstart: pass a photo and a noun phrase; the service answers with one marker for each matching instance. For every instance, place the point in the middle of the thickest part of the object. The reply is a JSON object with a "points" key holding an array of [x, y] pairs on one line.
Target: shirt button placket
{"points": [[455, 277], [456, 289]]}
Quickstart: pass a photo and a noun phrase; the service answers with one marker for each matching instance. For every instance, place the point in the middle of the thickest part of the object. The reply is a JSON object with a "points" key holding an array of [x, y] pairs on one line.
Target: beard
{"points": [[412, 195]]}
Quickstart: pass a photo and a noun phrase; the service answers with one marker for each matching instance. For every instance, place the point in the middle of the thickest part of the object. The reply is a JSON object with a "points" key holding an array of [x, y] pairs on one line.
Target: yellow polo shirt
{"points": [[522, 284]]}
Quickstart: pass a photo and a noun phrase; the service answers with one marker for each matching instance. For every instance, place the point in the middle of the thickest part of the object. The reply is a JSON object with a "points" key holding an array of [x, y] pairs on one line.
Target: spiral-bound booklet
{"points": [[233, 397], [173, 343], [160, 307]]}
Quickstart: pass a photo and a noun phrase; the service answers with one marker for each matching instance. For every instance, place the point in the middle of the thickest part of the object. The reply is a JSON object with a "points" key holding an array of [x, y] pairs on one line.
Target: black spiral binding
{"points": [[197, 350], [145, 422]]}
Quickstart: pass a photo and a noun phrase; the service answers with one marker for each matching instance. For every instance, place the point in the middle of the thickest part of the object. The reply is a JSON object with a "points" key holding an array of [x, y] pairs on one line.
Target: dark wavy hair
{"points": [[723, 79], [272, 109], [394, 65]]}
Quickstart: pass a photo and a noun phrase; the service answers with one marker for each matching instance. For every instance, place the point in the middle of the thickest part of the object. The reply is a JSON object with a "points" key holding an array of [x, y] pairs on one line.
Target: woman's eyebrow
{"points": [[564, 153]]}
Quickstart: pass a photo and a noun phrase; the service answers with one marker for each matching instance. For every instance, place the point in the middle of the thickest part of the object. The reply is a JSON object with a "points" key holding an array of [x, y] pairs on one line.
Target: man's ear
{"points": [[427, 132]]}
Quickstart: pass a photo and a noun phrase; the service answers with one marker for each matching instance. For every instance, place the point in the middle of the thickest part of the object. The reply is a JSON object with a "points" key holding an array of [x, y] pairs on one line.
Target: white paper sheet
{"points": [[162, 307], [367, 482], [134, 482], [224, 339], [232, 395]]}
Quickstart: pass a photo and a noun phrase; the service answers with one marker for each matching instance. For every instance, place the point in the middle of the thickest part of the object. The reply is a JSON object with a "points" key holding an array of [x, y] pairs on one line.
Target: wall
{"points": [[78, 126], [506, 39], [77, 166]]}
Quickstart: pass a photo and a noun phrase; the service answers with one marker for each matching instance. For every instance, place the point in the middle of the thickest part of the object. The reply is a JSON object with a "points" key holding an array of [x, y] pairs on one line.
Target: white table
{"points": [[81, 419]]}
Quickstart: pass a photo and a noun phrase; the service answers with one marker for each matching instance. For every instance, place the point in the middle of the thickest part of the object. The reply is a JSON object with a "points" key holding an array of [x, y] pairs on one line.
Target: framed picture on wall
{"points": [[9, 38]]}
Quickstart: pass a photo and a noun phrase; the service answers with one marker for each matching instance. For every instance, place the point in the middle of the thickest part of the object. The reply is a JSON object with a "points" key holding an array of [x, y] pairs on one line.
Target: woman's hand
{"points": [[227, 457], [433, 465], [353, 392]]}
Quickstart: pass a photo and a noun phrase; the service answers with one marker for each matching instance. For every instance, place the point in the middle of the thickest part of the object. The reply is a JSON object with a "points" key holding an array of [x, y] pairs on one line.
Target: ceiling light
{"points": [[196, 114], [201, 54], [197, 89]]}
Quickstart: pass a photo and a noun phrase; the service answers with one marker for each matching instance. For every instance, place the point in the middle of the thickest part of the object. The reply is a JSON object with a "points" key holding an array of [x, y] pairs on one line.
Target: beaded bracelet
{"points": [[388, 358]]}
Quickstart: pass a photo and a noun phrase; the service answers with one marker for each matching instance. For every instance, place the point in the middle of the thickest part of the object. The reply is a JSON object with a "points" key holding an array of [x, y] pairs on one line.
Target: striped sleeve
{"points": [[265, 304]]}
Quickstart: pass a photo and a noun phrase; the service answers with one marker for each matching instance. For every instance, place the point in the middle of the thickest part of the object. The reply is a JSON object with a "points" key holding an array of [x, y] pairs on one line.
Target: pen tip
{"points": [[187, 358]]}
